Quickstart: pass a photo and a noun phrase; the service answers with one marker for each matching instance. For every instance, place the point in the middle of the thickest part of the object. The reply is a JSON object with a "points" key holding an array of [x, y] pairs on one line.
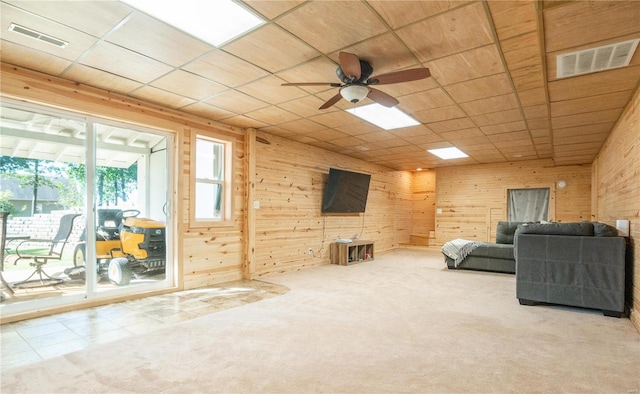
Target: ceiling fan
{"points": [[355, 75]]}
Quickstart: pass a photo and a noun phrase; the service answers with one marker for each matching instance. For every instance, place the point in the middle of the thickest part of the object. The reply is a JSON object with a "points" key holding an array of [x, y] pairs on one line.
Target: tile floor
{"points": [[32, 340]]}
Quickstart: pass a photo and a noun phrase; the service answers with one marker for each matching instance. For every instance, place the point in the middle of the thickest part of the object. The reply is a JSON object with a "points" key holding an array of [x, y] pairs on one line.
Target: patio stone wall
{"points": [[45, 225]]}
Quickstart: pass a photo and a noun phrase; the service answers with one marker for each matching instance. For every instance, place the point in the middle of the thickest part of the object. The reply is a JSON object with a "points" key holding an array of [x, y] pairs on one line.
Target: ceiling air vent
{"points": [[596, 59], [37, 35]]}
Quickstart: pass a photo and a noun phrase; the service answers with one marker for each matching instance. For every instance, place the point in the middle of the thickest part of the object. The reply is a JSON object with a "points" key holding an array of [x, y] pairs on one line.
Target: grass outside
{"points": [[65, 261]]}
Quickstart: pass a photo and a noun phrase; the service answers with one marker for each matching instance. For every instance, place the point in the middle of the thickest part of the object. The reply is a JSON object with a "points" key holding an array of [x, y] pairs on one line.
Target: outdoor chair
{"points": [[25, 251], [3, 241]]}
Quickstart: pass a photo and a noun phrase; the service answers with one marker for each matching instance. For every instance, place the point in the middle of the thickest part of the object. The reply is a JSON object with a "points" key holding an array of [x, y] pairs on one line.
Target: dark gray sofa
{"points": [[488, 256], [576, 264]]}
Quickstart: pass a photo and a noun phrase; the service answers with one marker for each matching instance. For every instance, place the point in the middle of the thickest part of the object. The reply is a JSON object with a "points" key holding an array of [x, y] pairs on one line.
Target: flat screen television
{"points": [[346, 192]]}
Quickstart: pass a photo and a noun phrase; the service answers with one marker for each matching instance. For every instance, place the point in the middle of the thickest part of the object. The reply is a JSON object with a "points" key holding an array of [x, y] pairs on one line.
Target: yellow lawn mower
{"points": [[126, 246]]}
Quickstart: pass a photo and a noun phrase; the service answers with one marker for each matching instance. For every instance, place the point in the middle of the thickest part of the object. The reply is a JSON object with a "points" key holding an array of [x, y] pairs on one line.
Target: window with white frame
{"points": [[211, 175]]}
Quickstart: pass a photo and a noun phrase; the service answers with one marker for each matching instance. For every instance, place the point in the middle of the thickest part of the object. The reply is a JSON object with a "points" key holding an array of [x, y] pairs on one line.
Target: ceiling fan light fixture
{"points": [[354, 93]]}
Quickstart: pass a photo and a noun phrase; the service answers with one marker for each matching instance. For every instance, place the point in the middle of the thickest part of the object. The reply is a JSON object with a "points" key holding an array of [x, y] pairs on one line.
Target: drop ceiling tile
{"points": [[305, 139], [472, 64], [320, 69], [335, 119], [259, 47], [303, 126], [270, 90], [117, 60], [347, 141], [225, 69], [328, 134], [539, 133], [277, 130], [504, 128], [605, 116], [244, 122], [580, 23], [236, 102], [449, 125], [325, 145], [590, 104], [401, 13], [398, 90], [396, 144], [100, 79], [358, 128], [462, 134], [385, 53], [29, 58], [331, 25], [538, 123], [161, 97], [469, 144], [522, 51], [513, 18], [379, 135], [439, 114], [510, 136], [536, 111], [208, 111], [272, 115], [188, 85], [412, 131], [96, 18], [537, 96], [304, 106], [78, 41], [459, 30], [273, 9], [494, 85], [510, 115], [490, 104], [428, 99], [433, 144], [580, 131], [600, 83], [157, 40], [528, 77]]}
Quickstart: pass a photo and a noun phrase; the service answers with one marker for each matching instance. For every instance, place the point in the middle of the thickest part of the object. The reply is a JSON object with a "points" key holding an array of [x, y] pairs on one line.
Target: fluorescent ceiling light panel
{"points": [[215, 21], [384, 117], [448, 153]]}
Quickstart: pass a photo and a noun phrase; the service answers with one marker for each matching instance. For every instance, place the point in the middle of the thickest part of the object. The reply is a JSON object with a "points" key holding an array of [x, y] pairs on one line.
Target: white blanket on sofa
{"points": [[458, 249]]}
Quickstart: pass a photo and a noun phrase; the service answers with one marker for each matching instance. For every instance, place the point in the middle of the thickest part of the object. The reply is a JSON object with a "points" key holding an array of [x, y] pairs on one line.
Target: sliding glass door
{"points": [[88, 204]]}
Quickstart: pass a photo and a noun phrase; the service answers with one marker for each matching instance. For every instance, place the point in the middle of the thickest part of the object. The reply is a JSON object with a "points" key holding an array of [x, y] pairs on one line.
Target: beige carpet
{"points": [[401, 323]]}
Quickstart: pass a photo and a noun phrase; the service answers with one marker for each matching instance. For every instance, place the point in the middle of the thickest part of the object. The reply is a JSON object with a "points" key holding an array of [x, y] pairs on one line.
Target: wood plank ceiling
{"points": [[493, 91]]}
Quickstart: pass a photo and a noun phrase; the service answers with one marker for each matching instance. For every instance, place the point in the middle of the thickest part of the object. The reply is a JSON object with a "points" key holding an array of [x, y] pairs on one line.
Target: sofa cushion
{"points": [[505, 232], [495, 251], [604, 230], [581, 228]]}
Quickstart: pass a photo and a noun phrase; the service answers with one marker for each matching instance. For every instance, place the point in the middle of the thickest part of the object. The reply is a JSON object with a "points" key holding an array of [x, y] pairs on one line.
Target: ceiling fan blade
{"points": [[331, 101], [350, 65], [332, 84], [382, 98], [400, 76]]}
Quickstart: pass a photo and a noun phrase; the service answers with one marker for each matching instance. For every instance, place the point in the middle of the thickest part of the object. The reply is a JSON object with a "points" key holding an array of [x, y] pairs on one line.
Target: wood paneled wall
{"points": [[290, 180], [616, 191], [213, 254], [205, 255], [474, 198], [424, 202]]}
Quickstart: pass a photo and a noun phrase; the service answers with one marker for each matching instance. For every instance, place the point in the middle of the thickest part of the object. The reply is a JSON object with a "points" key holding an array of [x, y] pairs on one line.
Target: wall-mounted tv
{"points": [[346, 192]]}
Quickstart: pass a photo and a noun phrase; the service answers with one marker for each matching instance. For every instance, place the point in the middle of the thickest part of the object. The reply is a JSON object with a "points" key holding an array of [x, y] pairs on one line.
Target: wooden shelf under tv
{"points": [[352, 252]]}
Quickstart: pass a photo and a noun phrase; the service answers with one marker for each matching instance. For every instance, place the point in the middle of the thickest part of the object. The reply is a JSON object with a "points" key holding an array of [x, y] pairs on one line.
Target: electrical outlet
{"points": [[310, 251]]}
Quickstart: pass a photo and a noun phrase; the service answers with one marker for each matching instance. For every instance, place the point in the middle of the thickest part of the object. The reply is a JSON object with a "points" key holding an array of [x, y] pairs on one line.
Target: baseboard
{"points": [[634, 316]]}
